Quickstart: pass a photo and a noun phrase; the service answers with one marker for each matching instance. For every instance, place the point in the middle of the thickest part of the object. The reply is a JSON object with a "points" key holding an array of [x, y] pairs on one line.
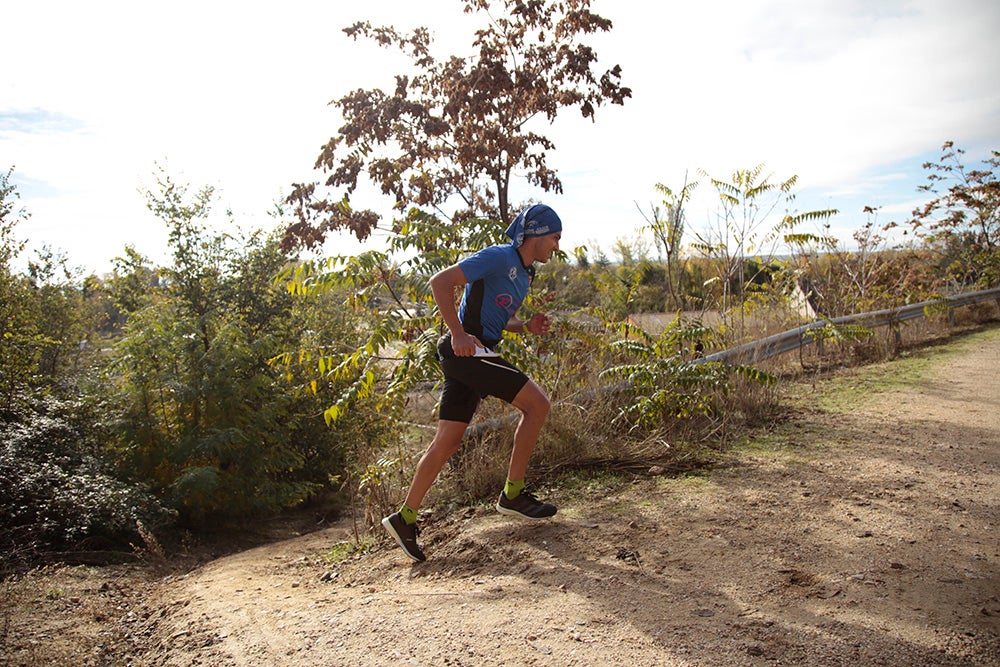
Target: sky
{"points": [[852, 96]]}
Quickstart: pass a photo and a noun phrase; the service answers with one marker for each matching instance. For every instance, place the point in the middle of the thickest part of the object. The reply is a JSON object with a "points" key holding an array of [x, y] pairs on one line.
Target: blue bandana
{"points": [[537, 220]]}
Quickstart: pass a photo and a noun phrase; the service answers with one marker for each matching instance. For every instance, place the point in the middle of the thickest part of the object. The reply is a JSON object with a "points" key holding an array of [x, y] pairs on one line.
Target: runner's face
{"points": [[546, 245]]}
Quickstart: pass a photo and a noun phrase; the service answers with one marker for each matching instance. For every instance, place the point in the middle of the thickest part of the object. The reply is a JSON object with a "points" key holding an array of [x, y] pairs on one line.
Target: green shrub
{"points": [[55, 491]]}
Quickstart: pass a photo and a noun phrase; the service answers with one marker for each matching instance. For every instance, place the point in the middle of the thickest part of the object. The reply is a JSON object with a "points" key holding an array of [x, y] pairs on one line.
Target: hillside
{"points": [[860, 531]]}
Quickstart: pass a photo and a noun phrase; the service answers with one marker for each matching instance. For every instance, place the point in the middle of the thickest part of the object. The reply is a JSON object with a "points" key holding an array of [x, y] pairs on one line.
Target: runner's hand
{"points": [[464, 344], [538, 324]]}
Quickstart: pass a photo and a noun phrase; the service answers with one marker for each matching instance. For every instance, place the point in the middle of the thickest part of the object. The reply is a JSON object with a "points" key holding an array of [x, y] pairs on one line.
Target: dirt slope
{"points": [[865, 535]]}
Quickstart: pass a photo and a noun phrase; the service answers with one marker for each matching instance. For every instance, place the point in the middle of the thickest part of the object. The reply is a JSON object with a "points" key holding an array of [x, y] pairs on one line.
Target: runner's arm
{"points": [[538, 324], [443, 284]]}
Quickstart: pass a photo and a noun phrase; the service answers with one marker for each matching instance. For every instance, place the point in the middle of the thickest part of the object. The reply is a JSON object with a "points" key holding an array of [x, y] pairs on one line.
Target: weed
{"points": [[347, 549]]}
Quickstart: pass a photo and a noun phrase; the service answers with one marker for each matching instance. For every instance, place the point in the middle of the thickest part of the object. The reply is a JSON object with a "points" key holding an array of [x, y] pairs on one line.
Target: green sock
{"points": [[409, 514], [512, 489]]}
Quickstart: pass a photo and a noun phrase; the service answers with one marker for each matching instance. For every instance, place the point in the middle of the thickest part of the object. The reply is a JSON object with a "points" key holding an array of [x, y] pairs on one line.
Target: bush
{"points": [[55, 493]]}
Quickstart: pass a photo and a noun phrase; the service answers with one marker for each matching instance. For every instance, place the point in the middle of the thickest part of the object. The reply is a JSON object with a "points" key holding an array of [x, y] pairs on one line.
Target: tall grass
{"points": [[589, 429]]}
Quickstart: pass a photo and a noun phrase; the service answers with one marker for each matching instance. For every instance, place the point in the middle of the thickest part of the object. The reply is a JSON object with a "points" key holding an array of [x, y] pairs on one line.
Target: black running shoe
{"points": [[405, 534], [525, 505]]}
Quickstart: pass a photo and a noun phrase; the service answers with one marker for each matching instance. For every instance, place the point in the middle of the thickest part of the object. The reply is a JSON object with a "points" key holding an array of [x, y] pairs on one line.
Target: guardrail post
{"points": [[897, 334], [951, 317]]}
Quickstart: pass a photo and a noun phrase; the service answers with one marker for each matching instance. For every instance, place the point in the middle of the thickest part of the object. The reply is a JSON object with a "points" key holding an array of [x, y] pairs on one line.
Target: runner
{"points": [[496, 281]]}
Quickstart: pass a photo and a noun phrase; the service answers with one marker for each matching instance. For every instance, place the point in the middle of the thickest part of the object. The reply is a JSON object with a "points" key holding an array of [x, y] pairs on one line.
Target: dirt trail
{"points": [[865, 536]]}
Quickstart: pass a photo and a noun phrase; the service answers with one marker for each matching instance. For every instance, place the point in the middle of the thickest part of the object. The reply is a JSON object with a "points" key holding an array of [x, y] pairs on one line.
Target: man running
{"points": [[496, 281]]}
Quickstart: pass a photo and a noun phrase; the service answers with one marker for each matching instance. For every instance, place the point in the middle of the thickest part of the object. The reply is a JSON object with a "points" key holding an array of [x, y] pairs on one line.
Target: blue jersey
{"points": [[497, 285]]}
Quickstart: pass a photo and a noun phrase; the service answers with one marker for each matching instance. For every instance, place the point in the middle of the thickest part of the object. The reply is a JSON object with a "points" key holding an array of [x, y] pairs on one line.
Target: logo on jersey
{"points": [[513, 273], [504, 301]]}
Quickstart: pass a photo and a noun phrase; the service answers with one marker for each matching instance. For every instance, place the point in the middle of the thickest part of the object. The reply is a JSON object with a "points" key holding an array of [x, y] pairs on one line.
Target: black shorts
{"points": [[469, 379]]}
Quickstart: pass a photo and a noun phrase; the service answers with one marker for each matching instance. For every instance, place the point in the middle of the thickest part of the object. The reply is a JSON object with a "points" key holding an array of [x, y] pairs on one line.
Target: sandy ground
{"points": [[864, 534]]}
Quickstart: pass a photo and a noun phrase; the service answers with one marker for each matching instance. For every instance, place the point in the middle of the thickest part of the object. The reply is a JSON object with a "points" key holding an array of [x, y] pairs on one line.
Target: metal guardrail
{"points": [[793, 339], [796, 338]]}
